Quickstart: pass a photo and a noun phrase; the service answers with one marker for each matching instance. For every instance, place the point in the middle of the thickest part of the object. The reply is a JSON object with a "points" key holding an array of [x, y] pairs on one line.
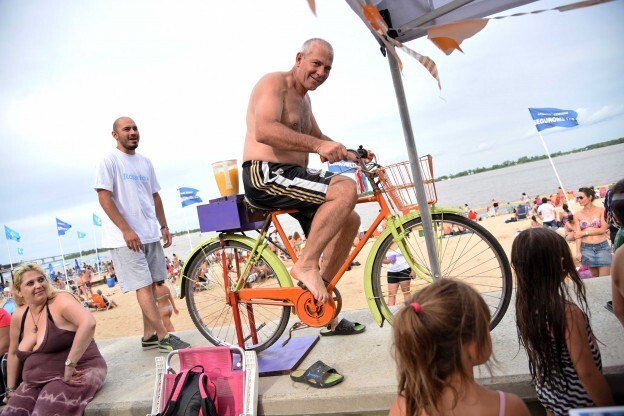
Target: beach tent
{"points": [[408, 20]]}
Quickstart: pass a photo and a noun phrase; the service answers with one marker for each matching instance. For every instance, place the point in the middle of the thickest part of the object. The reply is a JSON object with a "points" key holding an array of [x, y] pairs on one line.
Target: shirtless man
{"points": [[281, 134]]}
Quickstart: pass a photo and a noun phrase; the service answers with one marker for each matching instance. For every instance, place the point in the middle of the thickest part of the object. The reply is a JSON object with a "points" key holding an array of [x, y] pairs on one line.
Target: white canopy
{"points": [[408, 17]]}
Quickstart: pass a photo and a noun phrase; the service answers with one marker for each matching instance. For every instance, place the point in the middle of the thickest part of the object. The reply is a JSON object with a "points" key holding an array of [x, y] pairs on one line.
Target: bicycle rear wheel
{"points": [[466, 251], [216, 268]]}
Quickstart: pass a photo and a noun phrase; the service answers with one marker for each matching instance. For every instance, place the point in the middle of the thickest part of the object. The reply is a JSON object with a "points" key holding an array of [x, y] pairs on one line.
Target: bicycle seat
{"points": [[254, 206]]}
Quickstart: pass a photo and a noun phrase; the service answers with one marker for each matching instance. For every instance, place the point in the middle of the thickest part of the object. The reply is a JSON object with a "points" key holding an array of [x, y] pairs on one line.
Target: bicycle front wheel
{"points": [[217, 267], [466, 251]]}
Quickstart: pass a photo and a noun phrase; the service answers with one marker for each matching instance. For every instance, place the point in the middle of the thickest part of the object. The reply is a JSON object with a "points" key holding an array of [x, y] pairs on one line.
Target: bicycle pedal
{"points": [[296, 326]]}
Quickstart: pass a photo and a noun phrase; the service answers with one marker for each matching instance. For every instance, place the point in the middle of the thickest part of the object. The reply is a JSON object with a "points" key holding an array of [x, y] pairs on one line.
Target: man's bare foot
{"points": [[313, 281]]}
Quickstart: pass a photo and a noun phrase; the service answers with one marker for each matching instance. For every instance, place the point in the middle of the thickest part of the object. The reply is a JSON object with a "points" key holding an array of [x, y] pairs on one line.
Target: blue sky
{"points": [[184, 71]]}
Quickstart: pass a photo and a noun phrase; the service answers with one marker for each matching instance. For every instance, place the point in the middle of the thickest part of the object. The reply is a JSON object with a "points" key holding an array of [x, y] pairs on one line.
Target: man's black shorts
{"points": [[282, 186]]}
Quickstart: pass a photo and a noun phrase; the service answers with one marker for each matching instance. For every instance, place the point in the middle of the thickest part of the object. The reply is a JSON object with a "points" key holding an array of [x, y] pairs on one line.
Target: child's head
{"points": [[541, 259], [99, 292], [446, 323]]}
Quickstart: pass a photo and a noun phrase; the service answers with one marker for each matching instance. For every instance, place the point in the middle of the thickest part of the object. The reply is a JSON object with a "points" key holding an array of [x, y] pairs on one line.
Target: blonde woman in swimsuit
{"points": [[166, 305], [592, 243]]}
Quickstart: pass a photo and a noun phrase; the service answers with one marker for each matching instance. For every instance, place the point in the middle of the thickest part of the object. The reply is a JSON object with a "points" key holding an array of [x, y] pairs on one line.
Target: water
{"points": [[590, 168]]}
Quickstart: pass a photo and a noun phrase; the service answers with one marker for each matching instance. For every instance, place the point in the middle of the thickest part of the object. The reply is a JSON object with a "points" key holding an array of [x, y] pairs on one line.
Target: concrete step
{"points": [[365, 361]]}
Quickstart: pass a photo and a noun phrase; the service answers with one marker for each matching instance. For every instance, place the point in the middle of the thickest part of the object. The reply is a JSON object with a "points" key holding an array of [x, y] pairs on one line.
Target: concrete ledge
{"points": [[365, 360]]}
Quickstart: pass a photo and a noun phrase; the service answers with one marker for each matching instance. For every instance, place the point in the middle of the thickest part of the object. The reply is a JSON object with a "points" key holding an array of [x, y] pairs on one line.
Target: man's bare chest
{"points": [[297, 114]]}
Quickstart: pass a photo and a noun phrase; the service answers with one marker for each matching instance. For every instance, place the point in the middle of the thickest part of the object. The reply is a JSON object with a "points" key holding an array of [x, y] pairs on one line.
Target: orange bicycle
{"points": [[238, 290]]}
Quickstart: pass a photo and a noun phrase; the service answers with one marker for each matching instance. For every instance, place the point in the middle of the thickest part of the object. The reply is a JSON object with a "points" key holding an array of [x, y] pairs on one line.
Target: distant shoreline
{"points": [[527, 159]]}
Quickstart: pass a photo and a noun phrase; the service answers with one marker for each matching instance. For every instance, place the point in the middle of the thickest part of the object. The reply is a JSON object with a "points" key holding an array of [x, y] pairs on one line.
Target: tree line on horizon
{"points": [[528, 159]]}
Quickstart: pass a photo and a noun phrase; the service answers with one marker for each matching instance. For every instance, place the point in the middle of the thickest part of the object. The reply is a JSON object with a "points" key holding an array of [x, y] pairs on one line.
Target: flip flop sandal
{"points": [[609, 306], [344, 327], [319, 375]]}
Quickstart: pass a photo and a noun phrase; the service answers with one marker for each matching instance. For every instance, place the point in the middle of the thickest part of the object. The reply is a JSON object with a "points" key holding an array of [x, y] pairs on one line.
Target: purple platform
{"points": [[277, 360], [228, 213]]}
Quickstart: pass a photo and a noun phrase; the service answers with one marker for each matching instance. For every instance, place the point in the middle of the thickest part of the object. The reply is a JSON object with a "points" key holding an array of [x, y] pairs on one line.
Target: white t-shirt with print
{"points": [[132, 180]]}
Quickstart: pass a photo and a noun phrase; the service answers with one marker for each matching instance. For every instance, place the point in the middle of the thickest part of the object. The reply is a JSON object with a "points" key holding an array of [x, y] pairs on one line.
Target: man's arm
{"points": [[160, 214], [108, 205]]}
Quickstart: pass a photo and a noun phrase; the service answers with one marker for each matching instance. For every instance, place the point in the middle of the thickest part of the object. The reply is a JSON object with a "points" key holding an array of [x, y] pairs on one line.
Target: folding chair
{"points": [[236, 382]]}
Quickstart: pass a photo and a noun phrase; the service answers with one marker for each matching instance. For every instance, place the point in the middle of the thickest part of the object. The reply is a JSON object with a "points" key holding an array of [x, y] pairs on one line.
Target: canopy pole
{"points": [[421, 197]]}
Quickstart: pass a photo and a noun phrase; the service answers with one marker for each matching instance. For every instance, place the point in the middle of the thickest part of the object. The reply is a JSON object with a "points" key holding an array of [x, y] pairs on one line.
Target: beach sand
{"points": [[125, 320]]}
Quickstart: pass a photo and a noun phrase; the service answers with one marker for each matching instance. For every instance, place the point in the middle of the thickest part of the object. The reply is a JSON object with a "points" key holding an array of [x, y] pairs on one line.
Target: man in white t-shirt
{"points": [[546, 212], [128, 192]]}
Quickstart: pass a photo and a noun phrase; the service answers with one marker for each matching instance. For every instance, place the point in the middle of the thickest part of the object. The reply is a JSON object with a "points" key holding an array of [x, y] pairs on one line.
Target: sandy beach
{"points": [[125, 320]]}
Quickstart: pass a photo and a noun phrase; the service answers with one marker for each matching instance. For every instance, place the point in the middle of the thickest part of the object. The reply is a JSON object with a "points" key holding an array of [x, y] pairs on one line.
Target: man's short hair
{"points": [[307, 45]]}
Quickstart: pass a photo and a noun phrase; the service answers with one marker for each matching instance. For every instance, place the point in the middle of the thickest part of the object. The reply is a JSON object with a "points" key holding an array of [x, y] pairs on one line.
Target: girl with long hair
{"points": [[438, 338], [553, 326]]}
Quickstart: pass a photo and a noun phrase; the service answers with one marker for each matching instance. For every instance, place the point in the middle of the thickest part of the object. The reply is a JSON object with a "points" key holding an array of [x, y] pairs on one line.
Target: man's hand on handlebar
{"points": [[332, 152]]}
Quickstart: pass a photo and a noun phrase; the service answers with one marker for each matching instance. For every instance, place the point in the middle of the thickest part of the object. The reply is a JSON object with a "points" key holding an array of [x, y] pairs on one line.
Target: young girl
{"points": [[438, 340], [166, 305], [564, 359], [399, 274]]}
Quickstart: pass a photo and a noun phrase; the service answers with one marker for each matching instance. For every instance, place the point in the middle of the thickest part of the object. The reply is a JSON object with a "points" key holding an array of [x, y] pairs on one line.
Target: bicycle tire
{"points": [[207, 304], [472, 254]]}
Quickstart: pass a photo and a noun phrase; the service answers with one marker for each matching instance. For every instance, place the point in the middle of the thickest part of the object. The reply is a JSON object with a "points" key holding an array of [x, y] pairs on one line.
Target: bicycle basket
{"points": [[397, 182]]}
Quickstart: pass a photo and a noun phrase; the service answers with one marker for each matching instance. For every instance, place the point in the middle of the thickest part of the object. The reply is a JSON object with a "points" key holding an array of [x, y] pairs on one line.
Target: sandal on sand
{"points": [[319, 375], [344, 327]]}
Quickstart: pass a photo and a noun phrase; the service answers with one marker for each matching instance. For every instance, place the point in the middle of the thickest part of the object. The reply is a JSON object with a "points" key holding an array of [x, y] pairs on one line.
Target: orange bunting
{"points": [[379, 26], [371, 14], [449, 36]]}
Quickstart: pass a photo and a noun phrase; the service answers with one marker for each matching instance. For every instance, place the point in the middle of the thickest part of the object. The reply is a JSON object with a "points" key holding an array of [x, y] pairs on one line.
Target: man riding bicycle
{"points": [[281, 133]]}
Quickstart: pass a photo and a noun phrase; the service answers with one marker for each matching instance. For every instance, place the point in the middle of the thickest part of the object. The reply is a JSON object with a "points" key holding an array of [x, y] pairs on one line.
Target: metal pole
{"points": [[421, 197], [565, 194]]}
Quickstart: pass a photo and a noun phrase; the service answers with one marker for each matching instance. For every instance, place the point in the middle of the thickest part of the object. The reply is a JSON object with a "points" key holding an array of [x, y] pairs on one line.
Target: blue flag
{"points": [[97, 221], [341, 166], [189, 196], [62, 227], [81, 235], [11, 234], [20, 251], [546, 118]]}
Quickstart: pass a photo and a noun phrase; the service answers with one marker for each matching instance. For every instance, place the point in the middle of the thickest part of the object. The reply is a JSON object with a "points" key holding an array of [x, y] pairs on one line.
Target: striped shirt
{"points": [[560, 401]]}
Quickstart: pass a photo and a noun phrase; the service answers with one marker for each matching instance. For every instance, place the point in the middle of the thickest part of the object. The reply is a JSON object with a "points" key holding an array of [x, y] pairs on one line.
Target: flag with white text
{"points": [[546, 118], [62, 227], [341, 166], [189, 196], [81, 234], [20, 251]]}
